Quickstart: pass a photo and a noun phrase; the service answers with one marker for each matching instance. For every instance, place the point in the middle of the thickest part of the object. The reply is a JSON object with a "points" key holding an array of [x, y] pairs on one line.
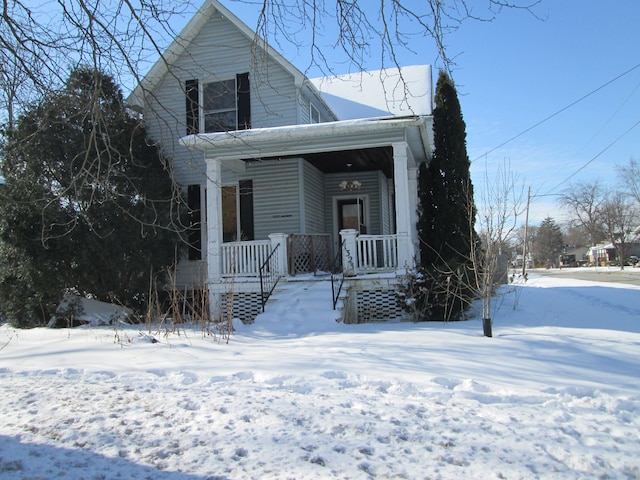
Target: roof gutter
{"points": [[308, 138]]}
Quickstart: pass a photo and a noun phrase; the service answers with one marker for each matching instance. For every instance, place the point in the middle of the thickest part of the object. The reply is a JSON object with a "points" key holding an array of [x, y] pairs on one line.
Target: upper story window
{"points": [[218, 106], [314, 114]]}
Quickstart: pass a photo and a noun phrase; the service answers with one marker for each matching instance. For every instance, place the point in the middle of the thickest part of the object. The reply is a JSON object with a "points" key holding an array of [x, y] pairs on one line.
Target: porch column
{"points": [[214, 231], [349, 252], [404, 229], [413, 211], [280, 240]]}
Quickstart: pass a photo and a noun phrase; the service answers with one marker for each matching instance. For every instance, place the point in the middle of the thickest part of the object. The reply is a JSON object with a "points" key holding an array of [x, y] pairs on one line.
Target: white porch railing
{"points": [[369, 253], [244, 258], [376, 252]]}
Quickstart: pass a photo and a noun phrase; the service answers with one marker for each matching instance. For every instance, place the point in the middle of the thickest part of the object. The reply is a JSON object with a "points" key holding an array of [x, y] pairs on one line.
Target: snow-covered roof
{"points": [[392, 91], [315, 138]]}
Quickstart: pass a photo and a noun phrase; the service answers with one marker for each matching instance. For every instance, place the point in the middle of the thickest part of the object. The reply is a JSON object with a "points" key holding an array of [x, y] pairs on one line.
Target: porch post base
{"points": [[280, 240], [349, 252]]}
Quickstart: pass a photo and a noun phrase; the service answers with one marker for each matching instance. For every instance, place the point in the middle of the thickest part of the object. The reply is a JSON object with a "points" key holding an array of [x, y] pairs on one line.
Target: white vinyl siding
{"points": [[310, 104], [386, 204], [314, 185], [165, 126], [276, 195], [370, 189], [218, 52]]}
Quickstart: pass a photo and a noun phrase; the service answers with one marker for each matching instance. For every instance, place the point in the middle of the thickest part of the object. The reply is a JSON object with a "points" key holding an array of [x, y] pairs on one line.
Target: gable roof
{"points": [[182, 41]]}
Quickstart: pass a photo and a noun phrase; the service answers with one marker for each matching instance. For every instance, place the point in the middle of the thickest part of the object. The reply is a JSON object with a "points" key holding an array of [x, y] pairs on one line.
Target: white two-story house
{"points": [[281, 172]]}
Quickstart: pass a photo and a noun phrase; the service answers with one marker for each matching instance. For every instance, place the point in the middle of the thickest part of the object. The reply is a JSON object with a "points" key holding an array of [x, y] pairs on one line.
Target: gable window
{"points": [[218, 106], [314, 114]]}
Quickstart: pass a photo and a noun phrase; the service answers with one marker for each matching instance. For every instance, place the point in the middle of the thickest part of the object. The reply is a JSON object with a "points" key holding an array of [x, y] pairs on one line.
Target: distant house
{"points": [[605, 253], [272, 163]]}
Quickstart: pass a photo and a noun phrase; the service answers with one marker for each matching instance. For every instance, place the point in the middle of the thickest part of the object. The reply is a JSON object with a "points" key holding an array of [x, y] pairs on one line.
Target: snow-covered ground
{"points": [[555, 394]]}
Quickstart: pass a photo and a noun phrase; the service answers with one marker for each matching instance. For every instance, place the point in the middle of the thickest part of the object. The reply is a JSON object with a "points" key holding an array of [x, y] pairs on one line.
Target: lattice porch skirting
{"points": [[371, 301], [246, 305]]}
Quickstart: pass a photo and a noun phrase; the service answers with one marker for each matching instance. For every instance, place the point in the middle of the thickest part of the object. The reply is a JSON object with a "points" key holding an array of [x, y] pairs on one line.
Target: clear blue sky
{"points": [[517, 70]]}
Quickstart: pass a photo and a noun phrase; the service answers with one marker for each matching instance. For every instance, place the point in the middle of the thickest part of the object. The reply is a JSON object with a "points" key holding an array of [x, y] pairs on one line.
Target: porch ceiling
{"points": [[361, 160]]}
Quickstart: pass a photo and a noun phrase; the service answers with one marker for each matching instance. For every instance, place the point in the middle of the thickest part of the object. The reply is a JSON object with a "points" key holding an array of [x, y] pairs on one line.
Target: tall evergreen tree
{"points": [[548, 243], [447, 211], [87, 205]]}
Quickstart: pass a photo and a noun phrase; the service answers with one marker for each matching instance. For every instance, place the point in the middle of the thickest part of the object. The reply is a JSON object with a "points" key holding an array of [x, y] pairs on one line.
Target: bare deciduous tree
{"points": [[380, 28], [620, 218], [41, 42], [13, 79], [500, 205], [584, 201], [629, 176], [46, 39]]}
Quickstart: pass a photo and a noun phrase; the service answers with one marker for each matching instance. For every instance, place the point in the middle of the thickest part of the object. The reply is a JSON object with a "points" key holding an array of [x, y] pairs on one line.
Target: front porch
{"points": [[299, 179], [363, 273]]}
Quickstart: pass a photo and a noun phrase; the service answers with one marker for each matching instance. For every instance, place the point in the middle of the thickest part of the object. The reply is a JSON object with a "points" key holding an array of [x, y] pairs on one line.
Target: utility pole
{"points": [[526, 228]]}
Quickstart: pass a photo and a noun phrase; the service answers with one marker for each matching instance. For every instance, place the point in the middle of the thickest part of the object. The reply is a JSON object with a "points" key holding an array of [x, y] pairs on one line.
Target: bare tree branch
{"points": [[387, 26], [629, 175], [584, 201], [620, 218]]}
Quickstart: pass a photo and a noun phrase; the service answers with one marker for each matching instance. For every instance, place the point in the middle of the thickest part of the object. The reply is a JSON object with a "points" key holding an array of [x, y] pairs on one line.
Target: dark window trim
{"points": [[195, 222], [245, 188], [243, 92], [193, 108], [193, 103]]}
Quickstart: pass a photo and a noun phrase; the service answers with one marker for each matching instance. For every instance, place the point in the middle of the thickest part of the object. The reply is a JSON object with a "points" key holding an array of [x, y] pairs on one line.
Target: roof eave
{"points": [[312, 138]]}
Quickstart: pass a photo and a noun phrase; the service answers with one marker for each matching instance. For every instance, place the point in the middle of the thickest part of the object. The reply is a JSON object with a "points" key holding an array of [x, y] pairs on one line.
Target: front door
{"points": [[351, 215], [229, 213], [237, 211]]}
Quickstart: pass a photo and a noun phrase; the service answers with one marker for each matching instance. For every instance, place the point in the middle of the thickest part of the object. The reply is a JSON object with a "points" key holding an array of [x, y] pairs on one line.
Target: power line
{"points": [[562, 110], [594, 158]]}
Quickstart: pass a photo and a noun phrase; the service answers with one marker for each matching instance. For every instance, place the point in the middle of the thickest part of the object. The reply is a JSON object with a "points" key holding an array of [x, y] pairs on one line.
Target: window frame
{"points": [[205, 112], [313, 109]]}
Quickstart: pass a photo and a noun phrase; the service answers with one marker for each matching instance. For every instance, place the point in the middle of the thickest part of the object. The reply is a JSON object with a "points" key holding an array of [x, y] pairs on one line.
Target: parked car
{"points": [[567, 260]]}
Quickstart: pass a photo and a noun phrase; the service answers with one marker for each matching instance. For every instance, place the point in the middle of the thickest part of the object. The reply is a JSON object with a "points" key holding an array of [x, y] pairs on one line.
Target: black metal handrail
{"points": [[337, 276], [269, 278]]}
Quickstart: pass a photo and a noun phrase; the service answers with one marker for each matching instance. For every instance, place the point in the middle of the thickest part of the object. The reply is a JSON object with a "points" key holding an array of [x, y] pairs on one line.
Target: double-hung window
{"points": [[219, 106]]}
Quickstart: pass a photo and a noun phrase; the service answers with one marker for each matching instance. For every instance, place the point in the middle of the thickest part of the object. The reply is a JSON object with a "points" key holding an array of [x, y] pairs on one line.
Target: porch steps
{"points": [[297, 300]]}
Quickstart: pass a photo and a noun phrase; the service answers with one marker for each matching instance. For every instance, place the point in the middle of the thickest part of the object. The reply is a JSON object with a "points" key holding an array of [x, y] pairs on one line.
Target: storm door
{"points": [[351, 215], [237, 212], [229, 213]]}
